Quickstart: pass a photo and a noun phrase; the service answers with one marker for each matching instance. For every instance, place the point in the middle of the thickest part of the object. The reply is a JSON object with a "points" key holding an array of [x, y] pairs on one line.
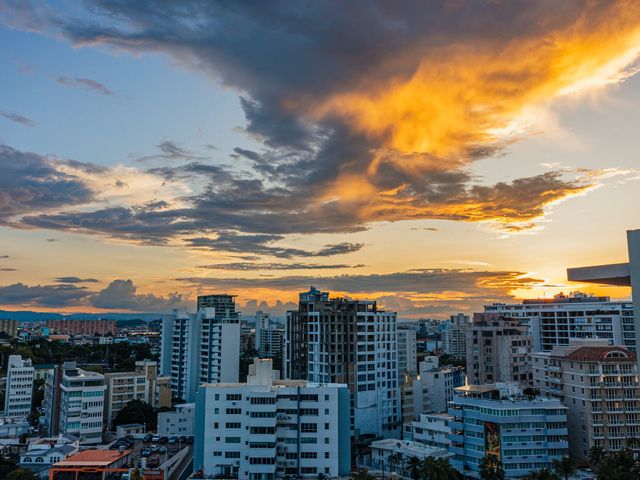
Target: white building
{"points": [[454, 341], [431, 389], [430, 429], [558, 320], [353, 342], [599, 385], [13, 427], [81, 404], [142, 384], [201, 347], [179, 422], [263, 322], [19, 387], [268, 428], [407, 352], [391, 456], [40, 456], [497, 420]]}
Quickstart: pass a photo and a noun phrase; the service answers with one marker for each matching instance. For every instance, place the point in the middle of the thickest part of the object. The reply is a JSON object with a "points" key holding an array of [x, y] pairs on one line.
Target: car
{"points": [[182, 438], [164, 439], [147, 438], [173, 439], [145, 453], [162, 450], [153, 462], [155, 438], [189, 440], [154, 448]]}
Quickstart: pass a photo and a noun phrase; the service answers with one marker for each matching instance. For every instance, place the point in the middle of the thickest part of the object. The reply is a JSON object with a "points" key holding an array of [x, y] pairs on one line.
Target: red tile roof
{"points": [[94, 458], [601, 354]]}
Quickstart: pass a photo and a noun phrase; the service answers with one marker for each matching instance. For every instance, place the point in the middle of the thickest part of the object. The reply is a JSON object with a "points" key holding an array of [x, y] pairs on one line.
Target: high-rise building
{"points": [[143, 384], [558, 320], [82, 327], [599, 386], [431, 389], [201, 347], [352, 342], [263, 322], [269, 341], [498, 350], [407, 352], [81, 410], [10, 327], [524, 434], [247, 339], [269, 428], [19, 387], [454, 336]]}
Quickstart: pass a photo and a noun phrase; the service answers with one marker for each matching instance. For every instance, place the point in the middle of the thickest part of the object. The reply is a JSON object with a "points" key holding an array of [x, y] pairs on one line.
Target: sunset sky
{"points": [[435, 156]]}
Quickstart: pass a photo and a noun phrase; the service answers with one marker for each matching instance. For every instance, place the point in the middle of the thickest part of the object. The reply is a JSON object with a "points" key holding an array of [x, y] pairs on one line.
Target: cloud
{"points": [[249, 266], [171, 151], [85, 83], [42, 295], [31, 183], [4, 256], [75, 280], [122, 294], [14, 117], [7, 270]]}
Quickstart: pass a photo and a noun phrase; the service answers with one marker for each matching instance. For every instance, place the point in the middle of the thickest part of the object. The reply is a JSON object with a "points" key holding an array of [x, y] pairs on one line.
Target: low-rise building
{"points": [[96, 462], [430, 429], [19, 387], [268, 428], [178, 422], [40, 456], [524, 433], [391, 456], [599, 386], [13, 427]]}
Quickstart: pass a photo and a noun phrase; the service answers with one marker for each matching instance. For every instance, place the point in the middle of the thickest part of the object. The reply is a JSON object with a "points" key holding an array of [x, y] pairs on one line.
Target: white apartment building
{"points": [[558, 320], [454, 335], [81, 404], [392, 456], [19, 387], [201, 347], [430, 429], [268, 428], [431, 389], [407, 352], [179, 422], [599, 386], [263, 322], [142, 384], [352, 342]]}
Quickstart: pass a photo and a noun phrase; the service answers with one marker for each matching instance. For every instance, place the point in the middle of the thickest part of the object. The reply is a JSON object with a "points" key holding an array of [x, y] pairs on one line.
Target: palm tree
{"points": [[394, 460], [596, 454], [362, 474], [543, 474], [437, 469], [414, 467], [491, 468], [564, 467]]}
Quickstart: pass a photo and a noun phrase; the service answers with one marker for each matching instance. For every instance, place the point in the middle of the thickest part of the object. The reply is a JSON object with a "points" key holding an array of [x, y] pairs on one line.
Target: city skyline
{"points": [[434, 158]]}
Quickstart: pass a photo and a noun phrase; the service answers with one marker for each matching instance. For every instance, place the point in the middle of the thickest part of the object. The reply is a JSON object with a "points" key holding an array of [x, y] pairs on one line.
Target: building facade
{"points": [[143, 384], [351, 342], [431, 429], [178, 422], [82, 327], [10, 327], [407, 352], [454, 336], [523, 434], [599, 386], [19, 387], [269, 428], [498, 350]]}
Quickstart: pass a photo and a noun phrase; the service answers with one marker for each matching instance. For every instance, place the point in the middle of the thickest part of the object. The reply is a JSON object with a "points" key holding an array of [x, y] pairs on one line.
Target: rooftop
{"points": [[93, 458], [601, 354], [411, 449]]}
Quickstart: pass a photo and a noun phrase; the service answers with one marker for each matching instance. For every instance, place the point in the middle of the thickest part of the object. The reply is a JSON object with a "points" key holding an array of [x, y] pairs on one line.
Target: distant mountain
{"points": [[29, 316]]}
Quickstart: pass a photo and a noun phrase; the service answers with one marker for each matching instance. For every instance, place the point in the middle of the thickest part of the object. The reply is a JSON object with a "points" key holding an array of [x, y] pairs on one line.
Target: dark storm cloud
{"points": [[249, 266], [31, 183], [42, 295], [75, 280], [8, 270], [85, 83], [122, 294], [14, 117]]}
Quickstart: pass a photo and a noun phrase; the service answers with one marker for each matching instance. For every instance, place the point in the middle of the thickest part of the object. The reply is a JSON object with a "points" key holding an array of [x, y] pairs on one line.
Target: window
{"points": [[309, 427], [233, 396], [232, 440]]}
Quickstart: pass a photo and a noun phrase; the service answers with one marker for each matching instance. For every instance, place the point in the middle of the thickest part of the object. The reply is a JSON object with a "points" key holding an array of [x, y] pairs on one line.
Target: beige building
{"points": [[598, 384], [10, 327], [142, 384], [498, 350]]}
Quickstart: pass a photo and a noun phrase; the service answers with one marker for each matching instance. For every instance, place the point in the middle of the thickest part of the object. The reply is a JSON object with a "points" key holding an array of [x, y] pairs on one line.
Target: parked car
{"points": [[189, 440], [182, 438], [164, 439], [155, 438], [145, 453], [162, 450], [147, 438], [153, 462], [173, 439], [154, 448]]}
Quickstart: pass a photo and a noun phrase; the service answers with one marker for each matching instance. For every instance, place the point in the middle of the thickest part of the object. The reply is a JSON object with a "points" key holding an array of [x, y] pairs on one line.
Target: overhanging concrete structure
{"points": [[620, 274]]}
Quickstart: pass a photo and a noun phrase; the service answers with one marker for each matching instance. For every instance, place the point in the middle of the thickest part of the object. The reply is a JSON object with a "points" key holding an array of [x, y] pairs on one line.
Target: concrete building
{"points": [[19, 387], [599, 385], [263, 322], [268, 428], [10, 327], [407, 352], [272, 342], [391, 456], [13, 427], [352, 342], [454, 335], [498, 350], [81, 327], [178, 422], [142, 384], [563, 318], [431, 389], [40, 456], [201, 347], [247, 339], [431, 429], [81, 410], [525, 434]]}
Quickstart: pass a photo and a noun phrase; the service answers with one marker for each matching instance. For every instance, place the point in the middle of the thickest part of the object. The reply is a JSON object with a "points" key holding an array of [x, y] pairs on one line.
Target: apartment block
{"points": [[269, 428], [178, 422], [563, 318], [351, 342], [19, 387], [454, 335], [524, 434], [430, 429], [10, 327], [407, 352], [143, 384], [599, 386], [82, 327], [498, 350]]}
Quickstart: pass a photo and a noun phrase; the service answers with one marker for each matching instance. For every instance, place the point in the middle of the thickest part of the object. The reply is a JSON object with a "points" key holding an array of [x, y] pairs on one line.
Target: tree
{"points": [[6, 466], [362, 474], [394, 460], [21, 474], [617, 466], [491, 468], [564, 467], [414, 467], [543, 474], [596, 454], [137, 411], [438, 469]]}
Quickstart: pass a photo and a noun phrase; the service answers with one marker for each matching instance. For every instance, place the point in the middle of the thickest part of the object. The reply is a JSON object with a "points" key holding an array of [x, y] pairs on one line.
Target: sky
{"points": [[434, 156]]}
